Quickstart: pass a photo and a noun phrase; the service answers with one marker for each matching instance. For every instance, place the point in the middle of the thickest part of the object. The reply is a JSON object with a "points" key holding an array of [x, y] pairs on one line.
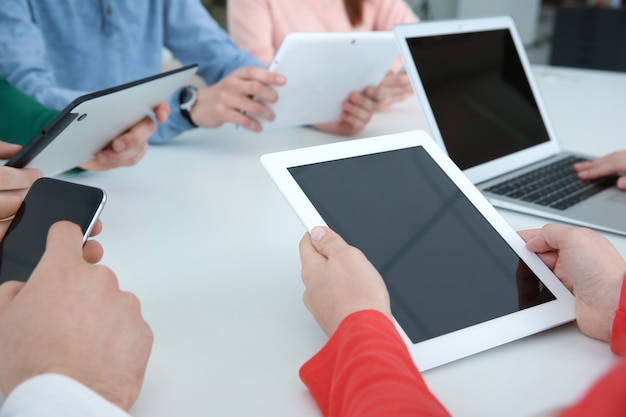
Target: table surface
{"points": [[201, 234]]}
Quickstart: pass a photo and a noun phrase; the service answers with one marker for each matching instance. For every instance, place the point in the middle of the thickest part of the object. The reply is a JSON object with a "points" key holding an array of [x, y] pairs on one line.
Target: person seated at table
{"points": [[611, 164], [260, 26], [365, 369], [71, 342], [55, 51], [22, 117]]}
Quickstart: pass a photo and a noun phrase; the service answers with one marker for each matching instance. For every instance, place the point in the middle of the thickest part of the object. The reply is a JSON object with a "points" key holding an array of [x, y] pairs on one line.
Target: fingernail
{"points": [[119, 146], [318, 233]]}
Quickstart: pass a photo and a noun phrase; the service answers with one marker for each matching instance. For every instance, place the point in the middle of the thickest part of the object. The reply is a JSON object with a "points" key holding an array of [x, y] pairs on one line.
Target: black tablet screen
{"points": [[445, 266]]}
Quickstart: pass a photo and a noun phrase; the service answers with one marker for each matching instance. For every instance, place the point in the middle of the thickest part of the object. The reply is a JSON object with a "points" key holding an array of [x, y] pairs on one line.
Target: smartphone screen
{"points": [[47, 202]]}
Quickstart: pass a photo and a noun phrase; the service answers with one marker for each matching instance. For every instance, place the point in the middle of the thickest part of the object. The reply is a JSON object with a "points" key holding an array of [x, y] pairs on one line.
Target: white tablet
{"points": [[322, 69], [91, 121], [460, 278]]}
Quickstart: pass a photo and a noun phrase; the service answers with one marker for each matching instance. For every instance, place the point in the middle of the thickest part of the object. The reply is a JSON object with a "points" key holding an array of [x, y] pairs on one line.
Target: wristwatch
{"points": [[186, 99]]}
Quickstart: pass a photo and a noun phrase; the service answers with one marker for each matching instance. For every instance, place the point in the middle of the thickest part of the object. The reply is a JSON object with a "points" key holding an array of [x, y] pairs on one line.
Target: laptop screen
{"points": [[479, 94]]}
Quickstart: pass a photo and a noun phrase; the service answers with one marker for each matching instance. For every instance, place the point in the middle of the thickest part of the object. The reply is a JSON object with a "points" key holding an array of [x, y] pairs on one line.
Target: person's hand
{"points": [[357, 111], [240, 98], [339, 279], [394, 87], [14, 184], [613, 163], [589, 266], [131, 146], [71, 318]]}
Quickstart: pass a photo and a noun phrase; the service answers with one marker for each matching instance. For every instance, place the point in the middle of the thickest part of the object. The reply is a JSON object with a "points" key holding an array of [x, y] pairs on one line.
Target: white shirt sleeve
{"points": [[53, 395]]}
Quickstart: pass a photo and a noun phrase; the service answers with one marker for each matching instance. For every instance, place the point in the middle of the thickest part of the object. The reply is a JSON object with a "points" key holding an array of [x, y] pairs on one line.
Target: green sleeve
{"points": [[21, 117]]}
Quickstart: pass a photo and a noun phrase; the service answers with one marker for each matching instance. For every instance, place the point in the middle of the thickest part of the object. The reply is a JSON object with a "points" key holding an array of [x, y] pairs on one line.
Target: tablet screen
{"points": [[445, 266]]}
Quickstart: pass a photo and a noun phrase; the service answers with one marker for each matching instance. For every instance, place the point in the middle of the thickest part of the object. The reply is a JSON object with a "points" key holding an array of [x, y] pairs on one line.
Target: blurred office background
{"points": [[577, 33]]}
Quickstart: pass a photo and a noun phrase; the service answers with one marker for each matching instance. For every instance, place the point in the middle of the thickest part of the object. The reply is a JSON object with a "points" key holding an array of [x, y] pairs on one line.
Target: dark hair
{"points": [[354, 8]]}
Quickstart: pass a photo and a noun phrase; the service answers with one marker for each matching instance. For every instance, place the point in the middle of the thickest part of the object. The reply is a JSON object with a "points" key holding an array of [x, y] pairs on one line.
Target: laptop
{"points": [[322, 69], [482, 105]]}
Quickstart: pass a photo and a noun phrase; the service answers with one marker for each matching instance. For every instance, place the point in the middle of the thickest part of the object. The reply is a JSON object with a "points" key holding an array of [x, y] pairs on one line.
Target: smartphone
{"points": [[47, 202]]}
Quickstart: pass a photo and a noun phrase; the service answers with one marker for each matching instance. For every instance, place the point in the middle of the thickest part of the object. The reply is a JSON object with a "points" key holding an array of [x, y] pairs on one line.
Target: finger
{"points": [[17, 178], [263, 76], [137, 135], [7, 150], [363, 102], [375, 94], [308, 252], [64, 248], [254, 90], [621, 183], [350, 123], [549, 237], [248, 107], [93, 251], [162, 112], [11, 201], [360, 107], [108, 159], [549, 259], [8, 291], [97, 228], [327, 242], [598, 171], [607, 165], [527, 234], [64, 239], [242, 119]]}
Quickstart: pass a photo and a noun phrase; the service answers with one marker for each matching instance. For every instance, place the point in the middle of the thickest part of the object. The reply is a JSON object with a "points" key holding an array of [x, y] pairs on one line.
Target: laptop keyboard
{"points": [[555, 185]]}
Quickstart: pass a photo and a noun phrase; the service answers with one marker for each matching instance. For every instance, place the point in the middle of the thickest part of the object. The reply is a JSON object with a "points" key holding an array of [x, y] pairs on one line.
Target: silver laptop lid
{"points": [[477, 92]]}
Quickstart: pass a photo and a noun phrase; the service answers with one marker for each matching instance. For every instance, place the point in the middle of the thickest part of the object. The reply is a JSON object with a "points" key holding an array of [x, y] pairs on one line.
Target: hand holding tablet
{"points": [[90, 122], [322, 70], [460, 279]]}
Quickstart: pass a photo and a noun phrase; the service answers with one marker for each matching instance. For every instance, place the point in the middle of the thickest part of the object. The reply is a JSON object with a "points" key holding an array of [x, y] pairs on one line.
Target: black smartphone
{"points": [[47, 202]]}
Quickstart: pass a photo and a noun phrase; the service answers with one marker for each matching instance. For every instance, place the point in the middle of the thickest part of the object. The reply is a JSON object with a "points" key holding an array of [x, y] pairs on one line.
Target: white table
{"points": [[199, 232]]}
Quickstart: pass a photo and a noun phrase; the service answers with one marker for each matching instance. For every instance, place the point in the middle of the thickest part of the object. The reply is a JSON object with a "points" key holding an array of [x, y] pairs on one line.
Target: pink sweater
{"points": [[260, 26]]}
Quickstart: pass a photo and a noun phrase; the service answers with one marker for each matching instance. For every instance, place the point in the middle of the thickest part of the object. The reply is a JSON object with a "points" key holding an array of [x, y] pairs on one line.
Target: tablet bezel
{"points": [[68, 141], [470, 340], [322, 68]]}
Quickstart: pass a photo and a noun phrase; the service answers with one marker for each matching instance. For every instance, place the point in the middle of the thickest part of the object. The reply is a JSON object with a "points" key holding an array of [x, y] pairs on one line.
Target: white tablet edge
{"points": [[299, 39], [465, 342]]}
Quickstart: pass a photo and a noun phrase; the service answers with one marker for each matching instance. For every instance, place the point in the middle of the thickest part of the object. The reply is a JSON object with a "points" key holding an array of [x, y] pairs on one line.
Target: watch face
{"points": [[187, 97]]}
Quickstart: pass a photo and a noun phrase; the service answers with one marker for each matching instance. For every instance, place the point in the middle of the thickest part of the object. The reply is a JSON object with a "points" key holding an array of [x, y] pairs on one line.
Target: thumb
{"points": [[327, 242], [64, 238], [550, 237]]}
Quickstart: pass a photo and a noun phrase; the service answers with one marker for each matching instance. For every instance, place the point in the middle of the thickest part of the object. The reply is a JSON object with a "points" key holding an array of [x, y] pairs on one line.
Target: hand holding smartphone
{"points": [[47, 202]]}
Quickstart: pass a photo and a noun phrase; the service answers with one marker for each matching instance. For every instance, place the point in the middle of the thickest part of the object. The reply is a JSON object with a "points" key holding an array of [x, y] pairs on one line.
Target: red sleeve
{"points": [[606, 398], [365, 370], [618, 332]]}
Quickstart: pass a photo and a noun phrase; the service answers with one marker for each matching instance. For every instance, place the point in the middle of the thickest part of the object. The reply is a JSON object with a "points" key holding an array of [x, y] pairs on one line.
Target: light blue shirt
{"points": [[57, 50]]}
